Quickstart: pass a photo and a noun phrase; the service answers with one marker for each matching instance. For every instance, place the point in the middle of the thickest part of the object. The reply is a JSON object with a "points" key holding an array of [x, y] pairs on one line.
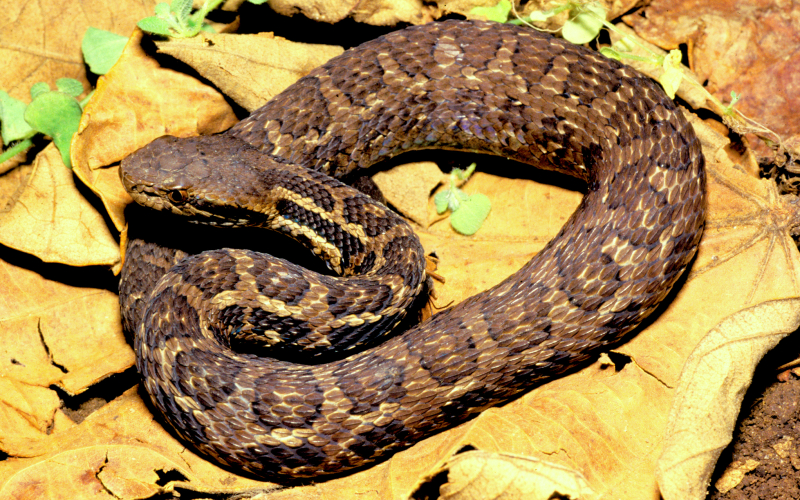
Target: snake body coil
{"points": [[472, 86]]}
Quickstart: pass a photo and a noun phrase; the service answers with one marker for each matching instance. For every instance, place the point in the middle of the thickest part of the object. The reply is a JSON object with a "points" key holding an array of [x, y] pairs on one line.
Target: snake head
{"points": [[192, 176]]}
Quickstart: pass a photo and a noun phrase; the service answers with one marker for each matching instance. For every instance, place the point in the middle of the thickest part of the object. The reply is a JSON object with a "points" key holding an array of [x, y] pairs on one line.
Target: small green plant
{"points": [[468, 211], [177, 20], [56, 113]]}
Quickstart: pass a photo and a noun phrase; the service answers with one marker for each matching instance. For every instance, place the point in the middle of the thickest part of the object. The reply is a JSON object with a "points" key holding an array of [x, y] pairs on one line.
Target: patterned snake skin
{"points": [[472, 86]]}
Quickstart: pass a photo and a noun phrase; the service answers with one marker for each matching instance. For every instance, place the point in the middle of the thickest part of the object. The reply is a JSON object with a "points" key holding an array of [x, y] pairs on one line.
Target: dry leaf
{"points": [[53, 334], [30, 56], [477, 474], [734, 474], [735, 46], [710, 392], [407, 189], [377, 12], [250, 69], [48, 217], [133, 104]]}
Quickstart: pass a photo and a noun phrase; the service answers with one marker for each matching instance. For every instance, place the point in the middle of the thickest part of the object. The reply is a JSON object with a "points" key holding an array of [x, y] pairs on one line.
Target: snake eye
{"points": [[177, 196]]}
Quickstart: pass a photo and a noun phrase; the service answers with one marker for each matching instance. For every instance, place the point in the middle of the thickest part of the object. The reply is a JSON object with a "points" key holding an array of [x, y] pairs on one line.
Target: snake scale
{"points": [[459, 85]]}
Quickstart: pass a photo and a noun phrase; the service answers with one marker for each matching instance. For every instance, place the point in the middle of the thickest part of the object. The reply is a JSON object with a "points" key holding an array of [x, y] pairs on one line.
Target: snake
{"points": [[473, 86]]}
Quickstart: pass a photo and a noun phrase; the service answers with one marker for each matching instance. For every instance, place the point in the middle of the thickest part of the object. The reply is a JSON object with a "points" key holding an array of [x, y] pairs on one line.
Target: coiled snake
{"points": [[473, 86]]}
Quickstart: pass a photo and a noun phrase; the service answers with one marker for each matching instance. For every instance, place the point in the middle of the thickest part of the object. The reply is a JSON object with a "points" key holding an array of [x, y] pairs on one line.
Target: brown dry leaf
{"points": [[42, 41], [133, 104], [477, 474], [250, 69], [48, 217], [53, 334], [737, 45], [710, 391]]}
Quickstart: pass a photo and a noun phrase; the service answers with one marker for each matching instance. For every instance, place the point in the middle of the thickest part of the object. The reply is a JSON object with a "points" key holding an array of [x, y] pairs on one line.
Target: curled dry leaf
{"points": [[250, 69], [477, 474], [47, 216], [710, 392], [136, 102]]}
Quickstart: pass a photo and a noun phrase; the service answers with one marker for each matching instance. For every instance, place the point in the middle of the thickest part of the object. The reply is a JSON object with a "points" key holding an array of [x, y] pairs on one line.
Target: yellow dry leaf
{"points": [[407, 188], [710, 392], [734, 474], [48, 217], [477, 474], [250, 69], [377, 12], [42, 42], [53, 334]]}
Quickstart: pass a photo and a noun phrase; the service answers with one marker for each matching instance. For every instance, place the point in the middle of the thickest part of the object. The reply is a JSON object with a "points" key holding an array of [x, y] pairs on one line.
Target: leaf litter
{"points": [[605, 424]]}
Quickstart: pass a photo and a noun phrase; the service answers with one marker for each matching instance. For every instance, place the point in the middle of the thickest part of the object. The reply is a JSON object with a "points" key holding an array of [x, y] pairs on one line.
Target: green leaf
{"points": [[258, 2], [441, 200], [101, 49], [464, 174], [163, 10], [55, 114], [69, 86], [586, 25], [498, 13], [154, 25], [470, 215], [39, 88], [13, 126], [181, 8]]}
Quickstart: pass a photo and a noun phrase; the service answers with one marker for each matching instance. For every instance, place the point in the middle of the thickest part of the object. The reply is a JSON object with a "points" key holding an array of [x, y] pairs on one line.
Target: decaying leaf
{"points": [[734, 46]]}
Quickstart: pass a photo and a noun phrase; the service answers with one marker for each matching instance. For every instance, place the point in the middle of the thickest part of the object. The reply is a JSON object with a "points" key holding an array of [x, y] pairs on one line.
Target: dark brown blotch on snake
{"points": [[472, 86]]}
